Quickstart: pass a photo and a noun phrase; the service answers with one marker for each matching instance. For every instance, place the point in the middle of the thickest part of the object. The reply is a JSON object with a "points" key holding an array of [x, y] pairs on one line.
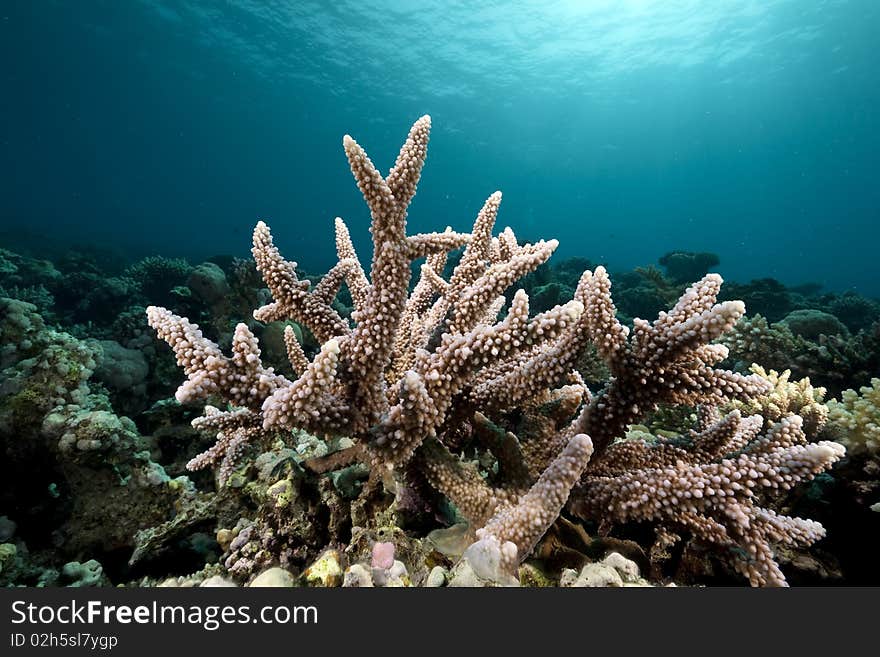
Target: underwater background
{"points": [[625, 129], [141, 142]]}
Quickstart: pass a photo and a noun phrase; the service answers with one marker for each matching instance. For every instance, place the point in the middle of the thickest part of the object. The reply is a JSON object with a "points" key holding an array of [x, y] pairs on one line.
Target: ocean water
{"points": [[625, 129]]}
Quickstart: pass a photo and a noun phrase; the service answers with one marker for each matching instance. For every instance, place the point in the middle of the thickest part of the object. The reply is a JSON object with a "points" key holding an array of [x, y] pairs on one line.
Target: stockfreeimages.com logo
{"points": [[209, 617]]}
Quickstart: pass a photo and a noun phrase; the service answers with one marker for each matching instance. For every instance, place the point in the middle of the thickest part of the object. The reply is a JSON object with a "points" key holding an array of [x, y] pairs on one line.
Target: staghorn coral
{"points": [[415, 376], [668, 361], [709, 487]]}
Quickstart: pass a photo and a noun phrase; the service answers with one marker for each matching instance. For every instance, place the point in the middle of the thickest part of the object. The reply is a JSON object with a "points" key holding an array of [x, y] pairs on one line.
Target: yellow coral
{"points": [[326, 571], [858, 415], [787, 397]]}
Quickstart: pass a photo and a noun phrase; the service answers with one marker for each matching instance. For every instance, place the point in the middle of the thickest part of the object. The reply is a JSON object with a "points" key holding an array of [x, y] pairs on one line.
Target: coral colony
{"points": [[452, 392]]}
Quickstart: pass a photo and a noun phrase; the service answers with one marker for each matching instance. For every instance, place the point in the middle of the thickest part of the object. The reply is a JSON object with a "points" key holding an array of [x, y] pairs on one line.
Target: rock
{"points": [[451, 541], [485, 558], [273, 577], [480, 566], [326, 571], [48, 578], [208, 283], [597, 575], [627, 569], [568, 577], [224, 538], [90, 573], [120, 368], [463, 575], [218, 581], [282, 492], [7, 529], [383, 555], [533, 577], [350, 481], [810, 324], [437, 577], [396, 576], [357, 576]]}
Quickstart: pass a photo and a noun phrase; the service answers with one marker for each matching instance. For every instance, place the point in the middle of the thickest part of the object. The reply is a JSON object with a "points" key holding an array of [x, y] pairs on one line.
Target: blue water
{"points": [[625, 129]]}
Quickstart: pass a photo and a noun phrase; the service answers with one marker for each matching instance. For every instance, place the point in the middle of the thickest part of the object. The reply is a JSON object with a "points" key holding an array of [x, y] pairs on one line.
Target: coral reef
{"points": [[435, 394], [71, 462], [766, 297], [786, 397], [834, 361], [811, 324], [467, 411], [710, 488], [858, 415], [685, 266]]}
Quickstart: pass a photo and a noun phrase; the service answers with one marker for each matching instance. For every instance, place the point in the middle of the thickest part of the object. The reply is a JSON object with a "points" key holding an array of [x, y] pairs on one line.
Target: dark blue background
{"points": [[624, 129]]}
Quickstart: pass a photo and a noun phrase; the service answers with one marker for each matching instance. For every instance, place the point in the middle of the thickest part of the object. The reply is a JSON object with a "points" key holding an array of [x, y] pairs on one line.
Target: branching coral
{"points": [[421, 374], [787, 397], [831, 360], [670, 360], [753, 340], [710, 488], [858, 414]]}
